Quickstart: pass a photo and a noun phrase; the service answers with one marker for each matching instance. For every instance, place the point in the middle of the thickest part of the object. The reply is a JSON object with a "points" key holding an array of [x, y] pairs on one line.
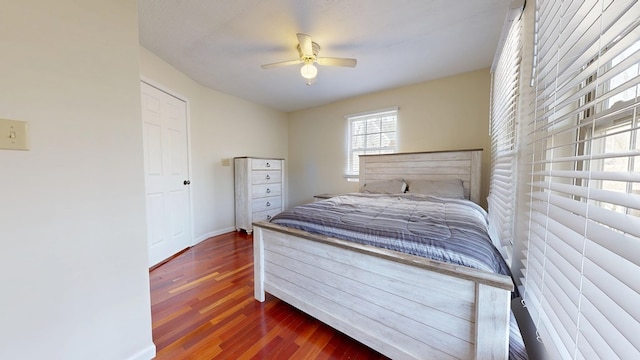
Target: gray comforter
{"points": [[449, 230]]}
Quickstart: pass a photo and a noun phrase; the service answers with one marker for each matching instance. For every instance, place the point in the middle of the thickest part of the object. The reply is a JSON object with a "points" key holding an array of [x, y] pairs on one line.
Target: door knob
{"points": [[187, 182]]}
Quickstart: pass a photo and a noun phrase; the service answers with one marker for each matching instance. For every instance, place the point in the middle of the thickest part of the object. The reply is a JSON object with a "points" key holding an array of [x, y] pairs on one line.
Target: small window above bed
{"points": [[370, 133]]}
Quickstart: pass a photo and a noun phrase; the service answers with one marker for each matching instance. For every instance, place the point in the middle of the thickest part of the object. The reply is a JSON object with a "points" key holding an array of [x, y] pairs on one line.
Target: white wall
{"points": [[444, 114], [222, 127], [74, 256]]}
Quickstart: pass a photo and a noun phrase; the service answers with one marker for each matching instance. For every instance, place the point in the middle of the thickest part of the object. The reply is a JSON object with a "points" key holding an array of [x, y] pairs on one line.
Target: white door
{"points": [[164, 120]]}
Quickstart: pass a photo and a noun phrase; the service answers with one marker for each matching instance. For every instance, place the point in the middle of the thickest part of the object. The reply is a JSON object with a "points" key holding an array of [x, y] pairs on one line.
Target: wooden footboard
{"points": [[403, 306]]}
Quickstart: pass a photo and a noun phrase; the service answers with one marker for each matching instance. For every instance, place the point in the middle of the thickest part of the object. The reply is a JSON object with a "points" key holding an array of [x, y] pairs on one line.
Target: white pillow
{"points": [[442, 188], [396, 186]]}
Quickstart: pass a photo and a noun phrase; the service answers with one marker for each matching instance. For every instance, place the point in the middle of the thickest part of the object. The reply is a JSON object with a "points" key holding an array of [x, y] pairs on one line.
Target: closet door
{"points": [[164, 119]]}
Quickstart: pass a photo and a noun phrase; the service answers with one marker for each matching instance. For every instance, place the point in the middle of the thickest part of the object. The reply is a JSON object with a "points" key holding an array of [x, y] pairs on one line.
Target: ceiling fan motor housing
{"points": [[306, 57]]}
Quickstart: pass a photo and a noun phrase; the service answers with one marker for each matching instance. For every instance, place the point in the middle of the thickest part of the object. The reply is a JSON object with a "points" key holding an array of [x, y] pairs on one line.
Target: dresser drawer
{"points": [[267, 203], [266, 177], [265, 215], [262, 190], [266, 164]]}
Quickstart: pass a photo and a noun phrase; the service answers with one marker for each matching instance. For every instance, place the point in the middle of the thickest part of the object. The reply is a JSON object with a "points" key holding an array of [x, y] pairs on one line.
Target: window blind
{"points": [[504, 101], [581, 146]]}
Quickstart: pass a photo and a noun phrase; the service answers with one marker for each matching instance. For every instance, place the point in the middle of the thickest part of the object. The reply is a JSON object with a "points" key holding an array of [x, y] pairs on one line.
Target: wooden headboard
{"points": [[465, 165]]}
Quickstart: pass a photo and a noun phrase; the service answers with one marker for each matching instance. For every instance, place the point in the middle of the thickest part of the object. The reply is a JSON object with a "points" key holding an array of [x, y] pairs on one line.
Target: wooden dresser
{"points": [[258, 190]]}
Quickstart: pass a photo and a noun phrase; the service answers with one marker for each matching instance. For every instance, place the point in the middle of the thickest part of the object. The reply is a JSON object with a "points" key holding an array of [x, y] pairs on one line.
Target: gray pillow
{"points": [[442, 188], [396, 186]]}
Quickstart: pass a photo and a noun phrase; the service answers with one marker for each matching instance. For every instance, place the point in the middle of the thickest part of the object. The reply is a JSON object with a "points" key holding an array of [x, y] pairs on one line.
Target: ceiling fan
{"points": [[308, 51]]}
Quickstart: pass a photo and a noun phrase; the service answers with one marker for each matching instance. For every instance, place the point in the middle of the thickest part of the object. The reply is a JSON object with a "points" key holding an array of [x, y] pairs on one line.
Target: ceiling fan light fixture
{"points": [[308, 52], [308, 71]]}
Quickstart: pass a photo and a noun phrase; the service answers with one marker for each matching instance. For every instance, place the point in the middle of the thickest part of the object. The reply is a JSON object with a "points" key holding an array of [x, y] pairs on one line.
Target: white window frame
{"points": [[611, 102], [390, 147]]}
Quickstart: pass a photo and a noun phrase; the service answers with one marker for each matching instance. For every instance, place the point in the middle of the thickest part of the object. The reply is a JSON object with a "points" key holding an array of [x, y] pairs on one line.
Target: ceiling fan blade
{"points": [[331, 61], [281, 63], [305, 44]]}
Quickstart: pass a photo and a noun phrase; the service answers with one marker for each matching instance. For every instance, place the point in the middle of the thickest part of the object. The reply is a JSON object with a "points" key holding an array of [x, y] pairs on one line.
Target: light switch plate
{"points": [[13, 135]]}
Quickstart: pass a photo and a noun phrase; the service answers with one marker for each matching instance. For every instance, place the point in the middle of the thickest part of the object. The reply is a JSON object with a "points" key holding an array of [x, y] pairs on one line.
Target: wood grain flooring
{"points": [[203, 308]]}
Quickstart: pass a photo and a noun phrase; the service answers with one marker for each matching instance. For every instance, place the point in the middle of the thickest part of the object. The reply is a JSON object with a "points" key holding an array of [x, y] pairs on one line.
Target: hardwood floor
{"points": [[203, 308]]}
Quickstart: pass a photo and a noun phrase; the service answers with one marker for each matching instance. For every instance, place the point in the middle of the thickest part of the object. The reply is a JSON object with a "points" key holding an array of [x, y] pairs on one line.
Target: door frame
{"points": [[165, 89]]}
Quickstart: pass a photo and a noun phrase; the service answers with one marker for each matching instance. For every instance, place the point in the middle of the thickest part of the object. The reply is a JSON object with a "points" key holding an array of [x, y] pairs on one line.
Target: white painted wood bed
{"points": [[404, 306]]}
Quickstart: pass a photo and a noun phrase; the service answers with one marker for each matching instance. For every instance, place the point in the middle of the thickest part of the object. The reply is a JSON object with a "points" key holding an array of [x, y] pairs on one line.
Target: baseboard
{"points": [[201, 238], [147, 353], [168, 259]]}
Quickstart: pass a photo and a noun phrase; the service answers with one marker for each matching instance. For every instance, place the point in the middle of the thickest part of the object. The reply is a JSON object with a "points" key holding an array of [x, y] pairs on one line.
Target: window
{"points": [[504, 99], [613, 132], [618, 85], [579, 160], [607, 143], [371, 133]]}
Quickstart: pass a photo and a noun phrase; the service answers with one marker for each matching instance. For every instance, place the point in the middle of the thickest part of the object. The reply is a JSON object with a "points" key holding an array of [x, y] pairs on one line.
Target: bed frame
{"points": [[404, 306]]}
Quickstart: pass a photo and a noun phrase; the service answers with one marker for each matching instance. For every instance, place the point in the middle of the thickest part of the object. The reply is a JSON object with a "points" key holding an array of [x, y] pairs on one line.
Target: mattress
{"points": [[448, 230]]}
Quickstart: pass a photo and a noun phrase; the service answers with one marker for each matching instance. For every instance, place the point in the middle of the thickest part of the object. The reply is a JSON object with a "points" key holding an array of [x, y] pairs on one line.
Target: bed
{"points": [[402, 305]]}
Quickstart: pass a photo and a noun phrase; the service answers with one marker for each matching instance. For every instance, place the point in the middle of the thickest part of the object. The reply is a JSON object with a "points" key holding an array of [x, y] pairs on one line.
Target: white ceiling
{"points": [[222, 43]]}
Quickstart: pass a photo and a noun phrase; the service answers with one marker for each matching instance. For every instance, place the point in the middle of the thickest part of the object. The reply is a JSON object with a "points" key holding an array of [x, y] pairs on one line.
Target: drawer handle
{"points": [[268, 190], [268, 177], [268, 204], [268, 165], [268, 217]]}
